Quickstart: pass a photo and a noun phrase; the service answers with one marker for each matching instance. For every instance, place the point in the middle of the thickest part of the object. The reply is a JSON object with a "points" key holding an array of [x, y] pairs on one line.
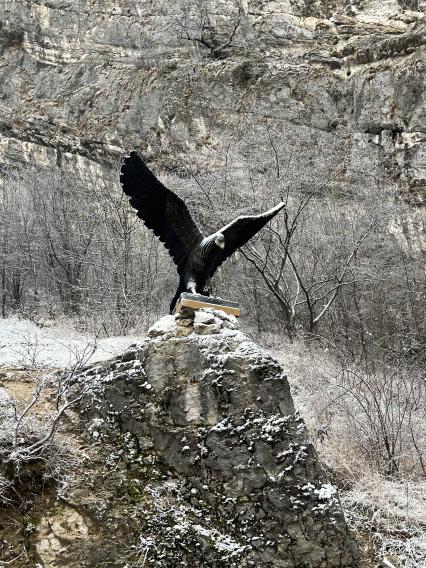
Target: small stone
{"points": [[184, 322], [257, 542], [230, 319], [183, 331], [129, 355], [185, 313], [206, 329], [204, 317], [164, 325]]}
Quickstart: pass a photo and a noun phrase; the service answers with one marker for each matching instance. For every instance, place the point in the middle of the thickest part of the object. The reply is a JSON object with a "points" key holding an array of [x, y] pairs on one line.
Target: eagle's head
{"points": [[220, 241]]}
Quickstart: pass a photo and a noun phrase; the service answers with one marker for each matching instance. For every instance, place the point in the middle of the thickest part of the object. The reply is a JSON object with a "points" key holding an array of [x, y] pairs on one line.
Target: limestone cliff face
{"points": [[330, 81], [201, 460], [85, 81]]}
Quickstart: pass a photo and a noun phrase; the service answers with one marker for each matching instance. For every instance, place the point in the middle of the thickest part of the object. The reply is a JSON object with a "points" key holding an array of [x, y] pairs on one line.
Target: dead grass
{"points": [[390, 518]]}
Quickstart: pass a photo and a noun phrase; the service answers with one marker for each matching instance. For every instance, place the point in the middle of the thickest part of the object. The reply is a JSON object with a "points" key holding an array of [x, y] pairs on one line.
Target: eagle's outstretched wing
{"points": [[161, 210], [240, 230]]}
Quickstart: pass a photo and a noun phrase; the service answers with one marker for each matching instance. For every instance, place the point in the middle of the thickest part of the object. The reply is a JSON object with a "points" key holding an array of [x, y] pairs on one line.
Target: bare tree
{"points": [[197, 25], [327, 264], [385, 411], [23, 438], [304, 281]]}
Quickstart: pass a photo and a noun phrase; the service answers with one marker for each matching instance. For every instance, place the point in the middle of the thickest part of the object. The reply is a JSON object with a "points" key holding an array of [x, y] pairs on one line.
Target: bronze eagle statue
{"points": [[196, 257]]}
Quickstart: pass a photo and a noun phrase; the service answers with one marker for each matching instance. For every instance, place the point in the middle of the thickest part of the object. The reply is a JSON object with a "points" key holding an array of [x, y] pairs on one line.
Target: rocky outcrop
{"points": [[218, 460]]}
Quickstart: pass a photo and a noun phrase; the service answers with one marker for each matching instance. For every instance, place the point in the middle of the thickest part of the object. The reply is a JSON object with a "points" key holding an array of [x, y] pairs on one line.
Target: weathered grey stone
{"points": [[206, 329], [184, 315], [166, 324], [204, 317], [56, 531], [184, 322], [217, 411]]}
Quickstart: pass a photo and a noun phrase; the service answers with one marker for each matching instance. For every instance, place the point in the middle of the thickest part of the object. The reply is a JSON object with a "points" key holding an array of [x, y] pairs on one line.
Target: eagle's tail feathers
{"points": [[179, 291]]}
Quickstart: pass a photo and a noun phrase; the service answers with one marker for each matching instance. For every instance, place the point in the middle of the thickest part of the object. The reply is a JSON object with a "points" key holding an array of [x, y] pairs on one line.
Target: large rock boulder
{"points": [[240, 483]]}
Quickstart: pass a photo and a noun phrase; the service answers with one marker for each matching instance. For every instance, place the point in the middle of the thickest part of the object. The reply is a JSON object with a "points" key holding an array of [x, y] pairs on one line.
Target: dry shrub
{"points": [[21, 472], [31, 453], [349, 413]]}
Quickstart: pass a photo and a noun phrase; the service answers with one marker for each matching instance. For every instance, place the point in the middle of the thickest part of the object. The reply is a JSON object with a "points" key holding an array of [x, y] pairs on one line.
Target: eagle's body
{"points": [[196, 257], [201, 263]]}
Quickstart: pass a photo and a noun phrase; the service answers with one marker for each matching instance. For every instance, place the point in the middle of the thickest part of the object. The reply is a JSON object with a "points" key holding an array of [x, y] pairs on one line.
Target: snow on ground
{"points": [[22, 343]]}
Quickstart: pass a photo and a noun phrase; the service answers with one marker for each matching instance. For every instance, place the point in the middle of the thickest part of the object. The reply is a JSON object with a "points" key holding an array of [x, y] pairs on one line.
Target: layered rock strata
{"points": [[219, 88], [84, 82]]}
